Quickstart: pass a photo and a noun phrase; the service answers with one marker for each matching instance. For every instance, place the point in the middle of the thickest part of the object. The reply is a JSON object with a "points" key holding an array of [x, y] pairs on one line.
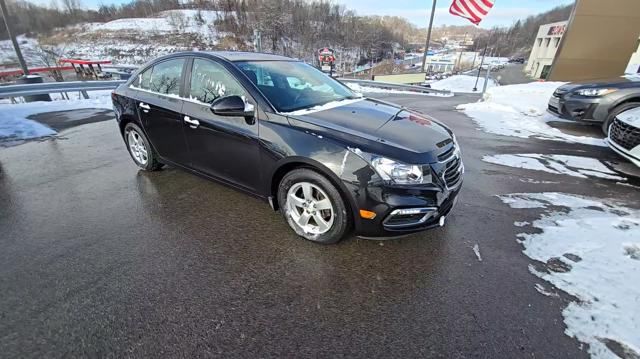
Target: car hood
{"points": [[617, 82], [379, 127], [631, 117]]}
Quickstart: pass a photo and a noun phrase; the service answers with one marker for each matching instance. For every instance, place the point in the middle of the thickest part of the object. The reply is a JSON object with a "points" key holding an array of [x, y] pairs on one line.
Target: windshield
{"points": [[292, 85]]}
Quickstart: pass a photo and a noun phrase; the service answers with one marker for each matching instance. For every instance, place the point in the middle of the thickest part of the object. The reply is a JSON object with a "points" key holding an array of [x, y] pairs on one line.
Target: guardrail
{"points": [[12, 91], [399, 87]]}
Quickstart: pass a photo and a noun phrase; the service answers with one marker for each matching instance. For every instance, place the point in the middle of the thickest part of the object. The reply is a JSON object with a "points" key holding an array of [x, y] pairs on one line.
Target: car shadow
{"points": [[578, 129], [62, 120]]}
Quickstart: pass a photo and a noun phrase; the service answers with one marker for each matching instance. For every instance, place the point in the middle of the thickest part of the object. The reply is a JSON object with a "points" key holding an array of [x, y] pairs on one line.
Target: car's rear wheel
{"points": [[313, 207], [615, 112], [140, 149]]}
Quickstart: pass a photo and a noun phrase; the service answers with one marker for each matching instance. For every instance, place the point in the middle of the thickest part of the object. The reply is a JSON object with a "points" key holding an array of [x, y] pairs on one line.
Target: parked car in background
{"points": [[516, 60], [596, 102], [624, 135], [331, 161]]}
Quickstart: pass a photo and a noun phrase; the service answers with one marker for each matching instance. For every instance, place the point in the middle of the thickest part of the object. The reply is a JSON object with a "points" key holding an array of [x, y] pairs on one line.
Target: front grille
{"points": [[559, 92], [452, 173], [624, 135], [446, 154]]}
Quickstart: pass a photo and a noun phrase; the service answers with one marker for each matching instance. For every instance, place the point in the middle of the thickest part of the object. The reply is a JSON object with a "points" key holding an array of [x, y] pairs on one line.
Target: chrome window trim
{"points": [[177, 97]]}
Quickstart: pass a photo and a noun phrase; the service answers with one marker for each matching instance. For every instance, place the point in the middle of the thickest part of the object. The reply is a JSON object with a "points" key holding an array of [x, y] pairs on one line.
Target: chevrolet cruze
{"points": [[331, 161]]}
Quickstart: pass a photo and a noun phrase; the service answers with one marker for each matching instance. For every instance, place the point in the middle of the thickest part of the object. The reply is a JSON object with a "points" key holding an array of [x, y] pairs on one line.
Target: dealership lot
{"points": [[98, 258]]}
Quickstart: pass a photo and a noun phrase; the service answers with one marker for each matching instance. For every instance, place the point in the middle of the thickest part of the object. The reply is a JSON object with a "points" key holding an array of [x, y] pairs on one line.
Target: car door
{"points": [[160, 108], [226, 147]]}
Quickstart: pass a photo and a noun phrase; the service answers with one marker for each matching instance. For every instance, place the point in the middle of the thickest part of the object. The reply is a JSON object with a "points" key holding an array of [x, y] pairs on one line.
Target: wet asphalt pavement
{"points": [[98, 259]]}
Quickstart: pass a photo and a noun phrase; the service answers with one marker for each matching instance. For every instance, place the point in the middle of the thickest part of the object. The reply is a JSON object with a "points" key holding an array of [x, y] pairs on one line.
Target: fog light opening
{"points": [[407, 217]]}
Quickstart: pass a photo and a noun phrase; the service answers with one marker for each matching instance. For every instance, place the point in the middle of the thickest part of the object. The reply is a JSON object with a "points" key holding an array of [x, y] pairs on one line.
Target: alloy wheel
{"points": [[310, 208], [137, 147]]}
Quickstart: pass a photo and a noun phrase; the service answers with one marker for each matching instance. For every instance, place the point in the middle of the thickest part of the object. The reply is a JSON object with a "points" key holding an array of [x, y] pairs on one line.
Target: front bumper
{"points": [[625, 141], [578, 108], [624, 153], [430, 204]]}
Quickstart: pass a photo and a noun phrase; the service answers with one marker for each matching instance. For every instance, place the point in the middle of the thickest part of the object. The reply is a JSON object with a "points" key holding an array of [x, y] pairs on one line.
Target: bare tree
{"points": [[50, 56], [177, 20]]}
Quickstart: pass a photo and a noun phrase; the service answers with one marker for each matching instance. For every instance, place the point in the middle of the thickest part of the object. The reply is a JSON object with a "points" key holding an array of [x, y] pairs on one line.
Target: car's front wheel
{"points": [[140, 149], [313, 207]]}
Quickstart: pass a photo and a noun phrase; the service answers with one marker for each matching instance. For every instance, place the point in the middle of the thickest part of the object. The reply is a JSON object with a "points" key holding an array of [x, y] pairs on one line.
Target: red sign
{"points": [[557, 30]]}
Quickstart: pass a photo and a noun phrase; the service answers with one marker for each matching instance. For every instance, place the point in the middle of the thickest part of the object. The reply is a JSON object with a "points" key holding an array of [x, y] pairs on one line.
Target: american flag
{"points": [[473, 10]]}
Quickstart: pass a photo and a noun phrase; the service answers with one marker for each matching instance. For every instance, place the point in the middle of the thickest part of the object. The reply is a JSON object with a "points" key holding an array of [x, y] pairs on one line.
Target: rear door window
{"points": [[166, 76]]}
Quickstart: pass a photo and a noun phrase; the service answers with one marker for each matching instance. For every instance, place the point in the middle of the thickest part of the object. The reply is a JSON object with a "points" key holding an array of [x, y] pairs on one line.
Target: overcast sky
{"points": [[504, 12]]}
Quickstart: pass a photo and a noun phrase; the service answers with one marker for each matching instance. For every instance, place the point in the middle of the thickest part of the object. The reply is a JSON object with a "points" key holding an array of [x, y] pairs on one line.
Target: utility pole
{"points": [[7, 23], [426, 47]]}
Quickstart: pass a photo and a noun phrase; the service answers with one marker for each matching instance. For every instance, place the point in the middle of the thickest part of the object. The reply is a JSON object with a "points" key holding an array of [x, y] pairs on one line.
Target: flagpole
{"points": [[426, 47]]}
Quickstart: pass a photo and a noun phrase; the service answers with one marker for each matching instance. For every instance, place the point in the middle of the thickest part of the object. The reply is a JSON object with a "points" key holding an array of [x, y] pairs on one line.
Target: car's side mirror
{"points": [[232, 106]]}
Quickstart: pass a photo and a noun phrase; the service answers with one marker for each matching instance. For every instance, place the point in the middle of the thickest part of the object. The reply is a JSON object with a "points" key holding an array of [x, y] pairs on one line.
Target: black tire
{"points": [[341, 219], [615, 112], [152, 163]]}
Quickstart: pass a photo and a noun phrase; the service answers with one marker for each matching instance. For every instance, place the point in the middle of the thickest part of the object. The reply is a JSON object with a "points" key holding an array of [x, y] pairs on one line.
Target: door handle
{"points": [[145, 108], [192, 123]]}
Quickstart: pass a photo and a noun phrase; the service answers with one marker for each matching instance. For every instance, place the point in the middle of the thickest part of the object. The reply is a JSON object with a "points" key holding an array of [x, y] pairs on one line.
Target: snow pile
{"points": [[462, 83], [589, 250], [575, 166], [520, 111], [368, 89], [15, 126]]}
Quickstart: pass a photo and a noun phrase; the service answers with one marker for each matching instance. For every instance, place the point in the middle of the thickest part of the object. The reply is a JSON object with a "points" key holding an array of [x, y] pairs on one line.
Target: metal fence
{"points": [[13, 91], [397, 87]]}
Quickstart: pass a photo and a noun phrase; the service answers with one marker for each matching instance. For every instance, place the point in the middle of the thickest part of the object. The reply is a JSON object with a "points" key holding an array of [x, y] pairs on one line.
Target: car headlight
{"points": [[398, 172], [595, 92]]}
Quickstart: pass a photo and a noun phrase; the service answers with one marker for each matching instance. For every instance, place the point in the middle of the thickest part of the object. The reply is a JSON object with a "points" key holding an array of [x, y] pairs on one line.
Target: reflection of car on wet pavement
{"points": [[597, 102], [624, 135], [328, 158]]}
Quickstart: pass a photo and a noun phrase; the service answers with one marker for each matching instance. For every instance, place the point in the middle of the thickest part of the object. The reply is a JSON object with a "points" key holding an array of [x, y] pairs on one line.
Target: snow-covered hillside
{"points": [[29, 47], [189, 21], [132, 40], [137, 40]]}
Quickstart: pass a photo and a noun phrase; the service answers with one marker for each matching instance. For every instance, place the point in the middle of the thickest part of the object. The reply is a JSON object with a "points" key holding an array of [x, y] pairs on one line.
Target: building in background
{"points": [[544, 49], [634, 63], [599, 40]]}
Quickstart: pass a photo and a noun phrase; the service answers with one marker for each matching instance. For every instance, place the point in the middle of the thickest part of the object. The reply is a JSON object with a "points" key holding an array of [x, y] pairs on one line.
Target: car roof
{"points": [[248, 56]]}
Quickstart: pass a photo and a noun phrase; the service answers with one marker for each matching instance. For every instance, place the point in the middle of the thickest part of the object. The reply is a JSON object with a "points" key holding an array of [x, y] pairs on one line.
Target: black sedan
{"points": [[331, 161], [597, 102]]}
